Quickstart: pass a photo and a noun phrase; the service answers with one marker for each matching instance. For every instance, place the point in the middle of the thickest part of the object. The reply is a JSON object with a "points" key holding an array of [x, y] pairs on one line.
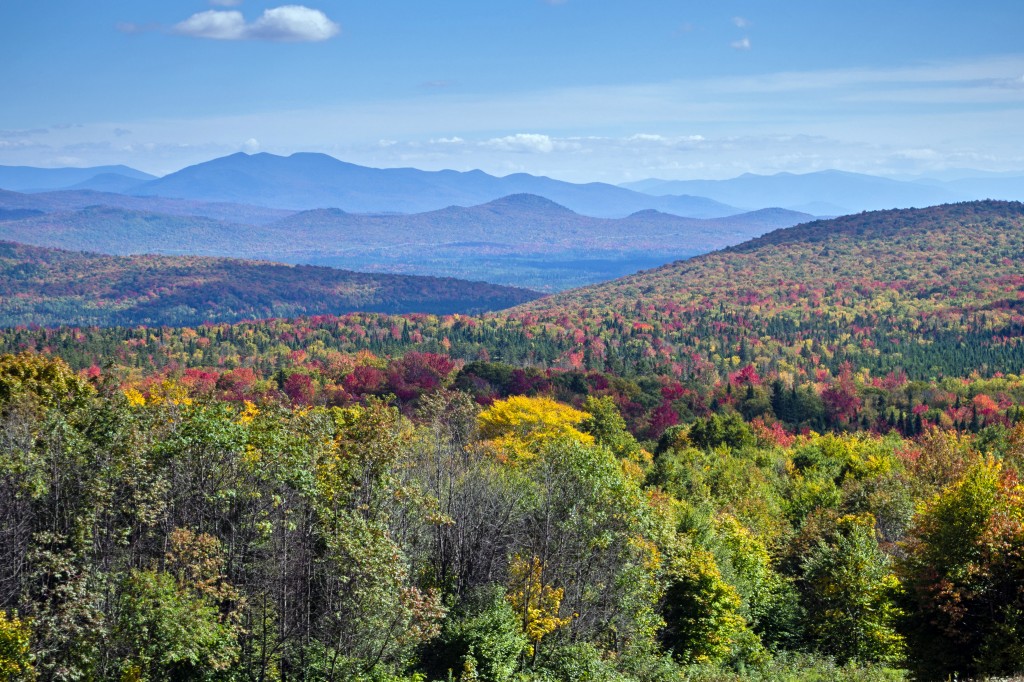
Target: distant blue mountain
{"points": [[1006, 187], [31, 179], [828, 192], [306, 181], [110, 182], [520, 239]]}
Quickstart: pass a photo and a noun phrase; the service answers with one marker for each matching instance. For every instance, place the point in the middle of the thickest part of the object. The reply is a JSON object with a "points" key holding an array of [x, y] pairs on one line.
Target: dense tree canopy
{"points": [[735, 471]]}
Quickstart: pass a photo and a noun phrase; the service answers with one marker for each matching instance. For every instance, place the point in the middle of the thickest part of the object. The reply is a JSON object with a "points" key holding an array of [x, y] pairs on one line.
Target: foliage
{"points": [[702, 610], [168, 630], [15, 652], [836, 420], [485, 632], [520, 425], [848, 591], [535, 603], [49, 287], [962, 571]]}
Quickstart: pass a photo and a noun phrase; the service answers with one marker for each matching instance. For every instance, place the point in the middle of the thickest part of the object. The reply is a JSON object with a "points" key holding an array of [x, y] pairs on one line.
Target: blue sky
{"points": [[575, 89]]}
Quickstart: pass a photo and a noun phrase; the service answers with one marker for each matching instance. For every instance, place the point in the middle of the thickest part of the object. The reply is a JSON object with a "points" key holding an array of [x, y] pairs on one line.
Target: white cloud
{"points": [[667, 141], [523, 142], [740, 22], [286, 24], [294, 23], [215, 24], [251, 146], [741, 44], [647, 137]]}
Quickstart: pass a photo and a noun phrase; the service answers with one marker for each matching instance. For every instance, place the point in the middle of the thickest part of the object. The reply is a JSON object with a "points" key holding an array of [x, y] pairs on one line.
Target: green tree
{"points": [[168, 630], [848, 591], [485, 629], [963, 569], [701, 610]]}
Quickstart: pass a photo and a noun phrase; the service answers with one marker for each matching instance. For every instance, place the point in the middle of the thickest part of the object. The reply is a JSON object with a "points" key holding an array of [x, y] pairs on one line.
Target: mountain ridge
{"points": [[32, 178], [516, 240], [842, 190], [307, 180], [55, 286]]}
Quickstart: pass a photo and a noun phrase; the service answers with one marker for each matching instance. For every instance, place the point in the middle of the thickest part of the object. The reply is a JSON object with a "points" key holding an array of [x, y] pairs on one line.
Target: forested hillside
{"points": [[49, 287], [795, 459]]}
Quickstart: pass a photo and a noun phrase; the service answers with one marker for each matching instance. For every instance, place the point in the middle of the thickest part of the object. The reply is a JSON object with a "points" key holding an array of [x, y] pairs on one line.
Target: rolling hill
{"points": [[935, 291], [931, 293], [51, 287], [73, 200]]}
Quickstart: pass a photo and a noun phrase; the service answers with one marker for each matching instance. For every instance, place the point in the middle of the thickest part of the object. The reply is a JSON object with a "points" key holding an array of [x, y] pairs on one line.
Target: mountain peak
{"points": [[526, 201]]}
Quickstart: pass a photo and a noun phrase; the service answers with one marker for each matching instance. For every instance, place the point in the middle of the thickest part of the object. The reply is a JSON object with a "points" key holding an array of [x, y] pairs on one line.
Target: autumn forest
{"points": [[796, 458]]}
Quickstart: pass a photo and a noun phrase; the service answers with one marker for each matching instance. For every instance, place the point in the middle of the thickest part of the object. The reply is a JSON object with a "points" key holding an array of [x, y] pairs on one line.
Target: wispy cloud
{"points": [[286, 24], [741, 44], [23, 133], [740, 22], [1010, 83], [131, 27], [909, 119]]}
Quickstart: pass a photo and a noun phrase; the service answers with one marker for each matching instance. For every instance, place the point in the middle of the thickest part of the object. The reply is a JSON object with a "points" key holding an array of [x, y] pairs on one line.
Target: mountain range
{"points": [[520, 230], [522, 239], [306, 181], [919, 293], [31, 179], [835, 192]]}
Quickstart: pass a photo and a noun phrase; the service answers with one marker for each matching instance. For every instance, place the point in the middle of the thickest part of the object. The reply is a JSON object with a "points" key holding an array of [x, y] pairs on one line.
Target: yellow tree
{"points": [[15, 654], [536, 603], [520, 425]]}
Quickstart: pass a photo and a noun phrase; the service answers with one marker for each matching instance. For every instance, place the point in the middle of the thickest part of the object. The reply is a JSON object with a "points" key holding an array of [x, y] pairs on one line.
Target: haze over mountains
{"points": [[524, 240], [31, 179], [835, 192], [521, 230], [306, 181]]}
